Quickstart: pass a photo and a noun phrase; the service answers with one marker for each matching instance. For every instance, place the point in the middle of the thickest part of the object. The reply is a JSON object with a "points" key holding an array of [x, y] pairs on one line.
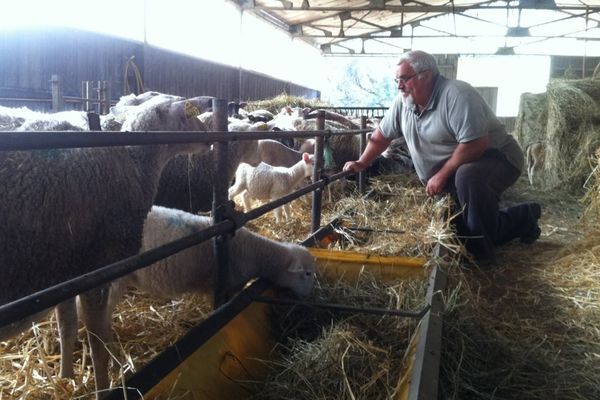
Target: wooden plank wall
{"points": [[30, 57]]}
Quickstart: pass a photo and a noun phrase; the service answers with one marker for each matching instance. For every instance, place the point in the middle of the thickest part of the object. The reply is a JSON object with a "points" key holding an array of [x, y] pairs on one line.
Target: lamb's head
{"points": [[298, 270], [308, 164]]}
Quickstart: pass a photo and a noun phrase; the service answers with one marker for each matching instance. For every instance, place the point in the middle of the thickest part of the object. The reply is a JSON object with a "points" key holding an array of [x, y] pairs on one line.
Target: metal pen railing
{"points": [[225, 218]]}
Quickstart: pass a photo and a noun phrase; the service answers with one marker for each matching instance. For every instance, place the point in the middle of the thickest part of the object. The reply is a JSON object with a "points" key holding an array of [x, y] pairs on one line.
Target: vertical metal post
{"points": [[362, 176], [86, 95], [58, 103], [318, 193], [103, 97], [220, 199]]}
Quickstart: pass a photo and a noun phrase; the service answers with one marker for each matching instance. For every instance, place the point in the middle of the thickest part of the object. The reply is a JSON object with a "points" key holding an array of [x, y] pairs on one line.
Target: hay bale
{"points": [[530, 125], [567, 119], [573, 132]]}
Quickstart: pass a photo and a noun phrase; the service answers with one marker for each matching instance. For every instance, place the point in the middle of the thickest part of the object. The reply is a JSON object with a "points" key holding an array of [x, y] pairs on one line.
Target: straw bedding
{"points": [[325, 355], [143, 327], [527, 329]]}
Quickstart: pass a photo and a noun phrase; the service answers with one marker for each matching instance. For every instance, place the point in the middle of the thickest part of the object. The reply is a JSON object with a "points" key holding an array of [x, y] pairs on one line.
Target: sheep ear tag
{"points": [[191, 111]]}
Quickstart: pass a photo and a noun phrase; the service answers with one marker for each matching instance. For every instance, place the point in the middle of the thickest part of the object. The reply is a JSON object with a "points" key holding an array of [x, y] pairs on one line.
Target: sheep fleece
{"points": [[60, 212]]}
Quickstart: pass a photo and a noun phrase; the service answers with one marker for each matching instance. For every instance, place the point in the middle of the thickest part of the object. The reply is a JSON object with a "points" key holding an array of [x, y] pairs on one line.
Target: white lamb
{"points": [[266, 182]]}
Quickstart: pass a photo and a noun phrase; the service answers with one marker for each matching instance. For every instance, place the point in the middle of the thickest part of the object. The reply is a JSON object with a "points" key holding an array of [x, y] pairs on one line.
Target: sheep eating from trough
{"points": [[193, 270], [266, 182], [67, 212], [287, 265]]}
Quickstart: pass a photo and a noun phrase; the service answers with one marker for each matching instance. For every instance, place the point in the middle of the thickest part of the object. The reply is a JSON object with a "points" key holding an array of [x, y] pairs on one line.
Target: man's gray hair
{"points": [[420, 61]]}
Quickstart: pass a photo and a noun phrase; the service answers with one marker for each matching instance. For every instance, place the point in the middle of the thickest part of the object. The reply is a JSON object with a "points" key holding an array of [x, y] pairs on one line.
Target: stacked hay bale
{"points": [[573, 131], [567, 119], [530, 126]]}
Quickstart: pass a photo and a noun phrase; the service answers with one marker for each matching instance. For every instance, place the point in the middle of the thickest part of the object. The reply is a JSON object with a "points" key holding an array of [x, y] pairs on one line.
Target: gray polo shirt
{"points": [[456, 113]]}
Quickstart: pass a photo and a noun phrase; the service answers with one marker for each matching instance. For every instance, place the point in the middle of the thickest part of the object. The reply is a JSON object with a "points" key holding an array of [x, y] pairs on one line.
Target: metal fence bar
{"points": [[221, 243], [362, 176], [33, 140], [318, 160], [343, 308]]}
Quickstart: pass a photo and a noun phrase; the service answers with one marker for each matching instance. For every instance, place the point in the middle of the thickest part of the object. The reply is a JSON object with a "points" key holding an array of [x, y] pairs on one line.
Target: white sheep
{"points": [[129, 105], [287, 265], [266, 182], [83, 209], [535, 154]]}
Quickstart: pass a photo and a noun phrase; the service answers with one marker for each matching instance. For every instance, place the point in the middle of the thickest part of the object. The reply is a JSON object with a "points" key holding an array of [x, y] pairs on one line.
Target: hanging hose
{"points": [[328, 159], [139, 83]]}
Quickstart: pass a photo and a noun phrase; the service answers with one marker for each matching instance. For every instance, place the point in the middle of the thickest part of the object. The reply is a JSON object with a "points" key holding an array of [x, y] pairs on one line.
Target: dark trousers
{"points": [[476, 188]]}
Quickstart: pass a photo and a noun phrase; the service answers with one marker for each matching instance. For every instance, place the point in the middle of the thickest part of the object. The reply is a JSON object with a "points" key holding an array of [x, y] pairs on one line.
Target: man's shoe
{"points": [[532, 232]]}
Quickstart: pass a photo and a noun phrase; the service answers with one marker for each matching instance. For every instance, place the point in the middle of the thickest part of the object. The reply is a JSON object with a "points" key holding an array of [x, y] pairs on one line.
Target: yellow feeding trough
{"points": [[233, 352]]}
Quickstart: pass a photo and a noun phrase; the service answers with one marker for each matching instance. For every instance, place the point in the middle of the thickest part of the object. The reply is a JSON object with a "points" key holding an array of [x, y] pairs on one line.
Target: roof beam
{"points": [[432, 8], [434, 36]]}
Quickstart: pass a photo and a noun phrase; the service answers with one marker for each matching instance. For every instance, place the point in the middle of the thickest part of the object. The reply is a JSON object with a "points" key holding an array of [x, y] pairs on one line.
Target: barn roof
{"points": [[380, 27]]}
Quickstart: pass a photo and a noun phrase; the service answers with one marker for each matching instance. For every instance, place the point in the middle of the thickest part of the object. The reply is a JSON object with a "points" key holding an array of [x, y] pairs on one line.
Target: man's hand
{"points": [[436, 184], [375, 146], [355, 166], [464, 153]]}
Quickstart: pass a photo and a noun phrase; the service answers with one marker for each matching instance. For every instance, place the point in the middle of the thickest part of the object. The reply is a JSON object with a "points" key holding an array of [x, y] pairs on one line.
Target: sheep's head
{"points": [[299, 275], [168, 116], [164, 116], [309, 164]]}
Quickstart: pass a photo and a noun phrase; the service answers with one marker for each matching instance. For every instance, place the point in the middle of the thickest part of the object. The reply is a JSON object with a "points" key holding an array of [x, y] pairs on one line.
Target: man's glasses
{"points": [[405, 79]]}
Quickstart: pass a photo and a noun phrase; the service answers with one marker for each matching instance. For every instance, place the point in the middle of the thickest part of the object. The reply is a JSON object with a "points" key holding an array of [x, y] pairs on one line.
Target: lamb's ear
{"points": [[295, 267], [306, 157]]}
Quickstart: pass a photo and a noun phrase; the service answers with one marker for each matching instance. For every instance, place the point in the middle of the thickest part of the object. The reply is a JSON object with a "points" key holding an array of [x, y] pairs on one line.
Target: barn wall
{"points": [[30, 57], [447, 64], [490, 95], [572, 67]]}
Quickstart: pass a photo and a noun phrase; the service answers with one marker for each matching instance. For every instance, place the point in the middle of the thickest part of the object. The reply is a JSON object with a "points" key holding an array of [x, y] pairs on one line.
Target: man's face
{"points": [[413, 86]]}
